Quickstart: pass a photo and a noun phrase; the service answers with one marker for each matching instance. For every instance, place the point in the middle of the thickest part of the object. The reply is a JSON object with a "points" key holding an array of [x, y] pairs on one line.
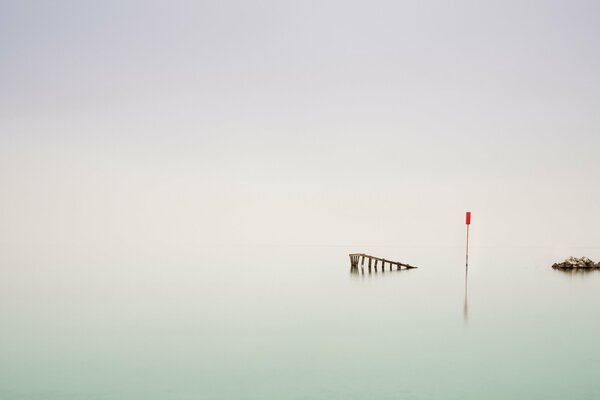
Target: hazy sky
{"points": [[136, 125]]}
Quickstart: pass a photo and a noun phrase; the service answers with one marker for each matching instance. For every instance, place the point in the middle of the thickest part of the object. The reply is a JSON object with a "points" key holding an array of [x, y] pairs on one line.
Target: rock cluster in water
{"points": [[574, 262]]}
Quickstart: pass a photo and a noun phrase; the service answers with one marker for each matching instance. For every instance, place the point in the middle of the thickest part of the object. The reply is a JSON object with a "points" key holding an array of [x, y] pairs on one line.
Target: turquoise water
{"points": [[294, 323]]}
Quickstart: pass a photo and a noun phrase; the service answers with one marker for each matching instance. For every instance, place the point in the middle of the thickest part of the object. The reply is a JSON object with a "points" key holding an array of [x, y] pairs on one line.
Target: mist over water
{"points": [[181, 184]]}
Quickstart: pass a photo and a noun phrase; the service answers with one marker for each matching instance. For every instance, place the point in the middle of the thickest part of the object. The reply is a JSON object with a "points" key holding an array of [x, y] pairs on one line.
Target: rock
{"points": [[574, 262]]}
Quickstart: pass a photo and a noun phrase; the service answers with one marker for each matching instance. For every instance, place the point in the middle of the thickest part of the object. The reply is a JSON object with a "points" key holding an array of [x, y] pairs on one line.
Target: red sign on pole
{"points": [[468, 218]]}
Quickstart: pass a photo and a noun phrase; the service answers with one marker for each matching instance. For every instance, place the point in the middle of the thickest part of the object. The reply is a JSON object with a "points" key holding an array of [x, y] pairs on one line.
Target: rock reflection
{"points": [[577, 271]]}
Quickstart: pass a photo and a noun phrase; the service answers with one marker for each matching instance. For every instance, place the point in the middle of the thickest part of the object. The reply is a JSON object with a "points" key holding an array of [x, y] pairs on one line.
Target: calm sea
{"points": [[274, 322]]}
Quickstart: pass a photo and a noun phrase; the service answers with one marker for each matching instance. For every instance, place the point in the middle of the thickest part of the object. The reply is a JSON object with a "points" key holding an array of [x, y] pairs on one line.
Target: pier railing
{"points": [[357, 258]]}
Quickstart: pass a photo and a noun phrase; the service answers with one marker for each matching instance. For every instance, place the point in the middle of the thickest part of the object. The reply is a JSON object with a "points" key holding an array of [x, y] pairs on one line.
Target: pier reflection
{"points": [[362, 271]]}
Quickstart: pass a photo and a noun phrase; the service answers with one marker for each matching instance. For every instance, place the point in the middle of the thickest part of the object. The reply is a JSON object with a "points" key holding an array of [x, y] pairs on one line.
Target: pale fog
{"points": [[131, 127], [181, 184]]}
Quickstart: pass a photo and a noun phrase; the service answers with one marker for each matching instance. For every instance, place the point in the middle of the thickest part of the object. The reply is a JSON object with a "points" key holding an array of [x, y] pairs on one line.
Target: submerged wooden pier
{"points": [[355, 258]]}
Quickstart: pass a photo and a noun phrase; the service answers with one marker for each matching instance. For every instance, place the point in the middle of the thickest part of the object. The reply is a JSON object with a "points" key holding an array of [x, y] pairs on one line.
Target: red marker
{"points": [[468, 218]]}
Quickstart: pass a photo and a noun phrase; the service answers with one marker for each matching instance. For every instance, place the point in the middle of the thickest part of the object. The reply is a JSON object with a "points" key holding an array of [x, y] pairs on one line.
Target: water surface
{"points": [[293, 322]]}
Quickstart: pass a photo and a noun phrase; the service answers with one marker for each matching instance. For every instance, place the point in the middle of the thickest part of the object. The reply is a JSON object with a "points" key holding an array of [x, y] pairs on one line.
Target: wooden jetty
{"points": [[355, 258]]}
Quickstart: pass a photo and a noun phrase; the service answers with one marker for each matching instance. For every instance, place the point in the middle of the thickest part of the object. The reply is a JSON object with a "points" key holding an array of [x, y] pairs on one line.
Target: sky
{"points": [[130, 126]]}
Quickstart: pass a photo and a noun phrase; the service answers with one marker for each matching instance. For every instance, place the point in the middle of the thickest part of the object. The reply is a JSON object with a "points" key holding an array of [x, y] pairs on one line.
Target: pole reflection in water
{"points": [[466, 304]]}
